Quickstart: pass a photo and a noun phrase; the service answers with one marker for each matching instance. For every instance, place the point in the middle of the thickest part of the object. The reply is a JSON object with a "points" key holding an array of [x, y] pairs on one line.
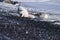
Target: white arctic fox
{"points": [[25, 13]]}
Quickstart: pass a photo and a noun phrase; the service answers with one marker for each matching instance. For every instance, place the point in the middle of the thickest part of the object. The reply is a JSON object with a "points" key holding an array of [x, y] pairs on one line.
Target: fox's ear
{"points": [[14, 2]]}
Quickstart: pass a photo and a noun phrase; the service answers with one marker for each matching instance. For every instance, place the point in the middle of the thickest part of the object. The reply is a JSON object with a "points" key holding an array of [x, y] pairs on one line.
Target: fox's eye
{"points": [[21, 10]]}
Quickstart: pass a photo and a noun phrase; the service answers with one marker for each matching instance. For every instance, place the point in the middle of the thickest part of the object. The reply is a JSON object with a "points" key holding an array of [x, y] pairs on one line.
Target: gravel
{"points": [[17, 28]]}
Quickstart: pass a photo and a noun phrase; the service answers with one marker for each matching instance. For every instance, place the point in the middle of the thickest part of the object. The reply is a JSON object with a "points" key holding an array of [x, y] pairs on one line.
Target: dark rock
{"points": [[17, 28], [1, 0]]}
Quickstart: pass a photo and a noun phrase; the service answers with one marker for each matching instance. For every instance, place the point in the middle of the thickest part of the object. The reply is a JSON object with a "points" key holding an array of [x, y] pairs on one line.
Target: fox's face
{"points": [[23, 12]]}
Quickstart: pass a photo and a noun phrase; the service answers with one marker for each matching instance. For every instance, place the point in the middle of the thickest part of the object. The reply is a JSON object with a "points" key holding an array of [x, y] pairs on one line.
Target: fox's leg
{"points": [[22, 15]]}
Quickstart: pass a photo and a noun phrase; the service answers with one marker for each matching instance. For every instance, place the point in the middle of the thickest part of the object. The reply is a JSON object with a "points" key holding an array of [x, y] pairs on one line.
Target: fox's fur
{"points": [[25, 13]]}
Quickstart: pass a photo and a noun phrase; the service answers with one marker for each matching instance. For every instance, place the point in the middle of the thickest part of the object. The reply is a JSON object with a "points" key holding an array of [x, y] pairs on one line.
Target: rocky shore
{"points": [[16, 28]]}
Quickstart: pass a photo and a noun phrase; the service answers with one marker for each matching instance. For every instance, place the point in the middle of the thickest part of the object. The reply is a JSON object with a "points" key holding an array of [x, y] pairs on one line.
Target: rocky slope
{"points": [[17, 28]]}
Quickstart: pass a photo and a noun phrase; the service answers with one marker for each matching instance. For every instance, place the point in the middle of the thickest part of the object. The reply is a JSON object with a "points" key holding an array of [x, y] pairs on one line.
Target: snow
{"points": [[8, 7], [42, 7]]}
